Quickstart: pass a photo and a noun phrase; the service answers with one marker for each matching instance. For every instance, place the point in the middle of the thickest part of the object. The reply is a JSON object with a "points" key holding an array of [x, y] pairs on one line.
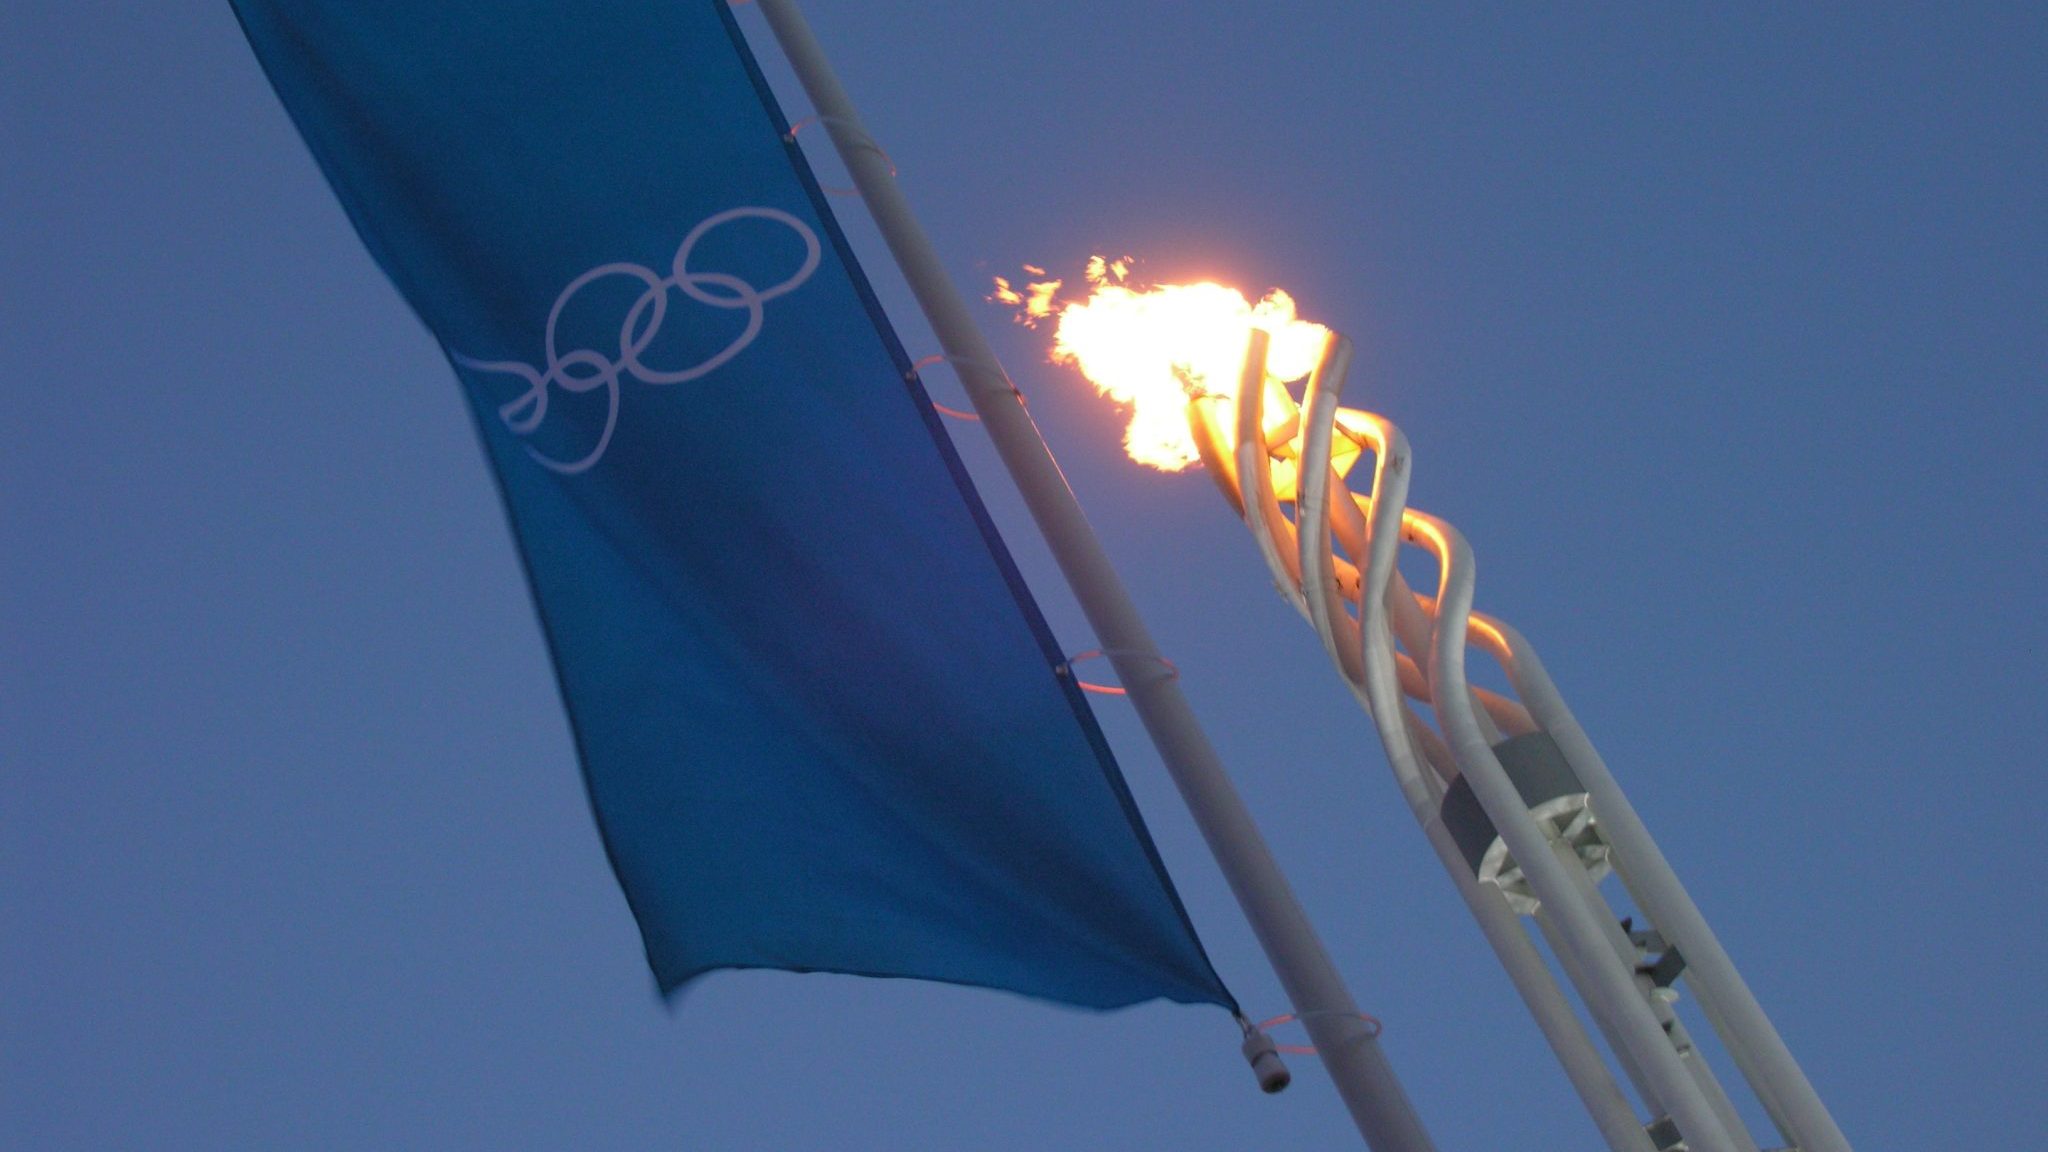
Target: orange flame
{"points": [[1152, 347]]}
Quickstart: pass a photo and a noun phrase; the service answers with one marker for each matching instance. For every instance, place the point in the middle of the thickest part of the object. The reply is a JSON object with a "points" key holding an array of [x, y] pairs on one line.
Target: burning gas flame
{"points": [[1151, 347]]}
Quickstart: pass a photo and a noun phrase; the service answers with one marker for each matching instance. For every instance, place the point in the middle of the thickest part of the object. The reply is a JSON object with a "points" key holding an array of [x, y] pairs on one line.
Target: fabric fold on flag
{"points": [[822, 723]]}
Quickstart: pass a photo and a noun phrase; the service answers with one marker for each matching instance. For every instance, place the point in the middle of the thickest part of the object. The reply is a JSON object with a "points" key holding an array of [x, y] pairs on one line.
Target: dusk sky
{"points": [[1721, 333]]}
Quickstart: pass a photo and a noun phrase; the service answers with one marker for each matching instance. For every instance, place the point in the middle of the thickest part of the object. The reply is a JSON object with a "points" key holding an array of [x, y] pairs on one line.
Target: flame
{"points": [[1034, 303], [1152, 347], [1038, 302]]}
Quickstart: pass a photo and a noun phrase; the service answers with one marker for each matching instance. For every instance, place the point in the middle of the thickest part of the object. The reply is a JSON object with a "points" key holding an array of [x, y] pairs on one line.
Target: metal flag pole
{"points": [[1343, 1037]]}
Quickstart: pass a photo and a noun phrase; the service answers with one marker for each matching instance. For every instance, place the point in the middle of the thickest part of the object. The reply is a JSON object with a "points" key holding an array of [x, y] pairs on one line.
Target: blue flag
{"points": [[822, 723]]}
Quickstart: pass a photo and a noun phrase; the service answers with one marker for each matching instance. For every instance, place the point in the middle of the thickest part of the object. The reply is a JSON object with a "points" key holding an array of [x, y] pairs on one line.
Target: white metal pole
{"points": [[1681, 1041], [1553, 1014], [1752, 1040], [1345, 1042], [1610, 990]]}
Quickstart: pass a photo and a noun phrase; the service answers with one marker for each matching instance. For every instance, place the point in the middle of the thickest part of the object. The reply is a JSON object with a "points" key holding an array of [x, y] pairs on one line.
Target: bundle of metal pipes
{"points": [[1520, 808]]}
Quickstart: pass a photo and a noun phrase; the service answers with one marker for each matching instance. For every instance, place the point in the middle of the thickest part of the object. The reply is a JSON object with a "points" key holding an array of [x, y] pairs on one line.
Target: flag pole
{"points": [[1343, 1038]]}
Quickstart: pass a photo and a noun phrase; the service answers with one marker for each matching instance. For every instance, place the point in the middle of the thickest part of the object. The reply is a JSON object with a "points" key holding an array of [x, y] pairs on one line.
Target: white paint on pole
{"points": [[1345, 1042]]}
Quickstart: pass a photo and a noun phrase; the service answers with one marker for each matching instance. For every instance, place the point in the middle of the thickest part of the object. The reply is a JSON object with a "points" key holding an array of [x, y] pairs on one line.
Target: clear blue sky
{"points": [[1720, 333]]}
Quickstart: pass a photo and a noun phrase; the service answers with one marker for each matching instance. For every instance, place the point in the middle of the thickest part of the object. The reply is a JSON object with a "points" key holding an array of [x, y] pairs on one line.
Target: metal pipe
{"points": [[1313, 479], [1308, 571], [1255, 480], [1744, 1061], [1609, 988], [1346, 1043], [1750, 1037], [1367, 668], [1318, 517], [1545, 919], [1626, 952], [1398, 729]]}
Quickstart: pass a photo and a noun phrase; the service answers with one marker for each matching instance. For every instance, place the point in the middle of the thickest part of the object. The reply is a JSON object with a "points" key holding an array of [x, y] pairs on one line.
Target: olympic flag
{"points": [[822, 723]]}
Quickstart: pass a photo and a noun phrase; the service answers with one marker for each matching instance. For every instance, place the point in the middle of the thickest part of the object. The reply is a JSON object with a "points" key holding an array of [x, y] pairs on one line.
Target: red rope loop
{"points": [[954, 362], [1067, 668], [1372, 1029]]}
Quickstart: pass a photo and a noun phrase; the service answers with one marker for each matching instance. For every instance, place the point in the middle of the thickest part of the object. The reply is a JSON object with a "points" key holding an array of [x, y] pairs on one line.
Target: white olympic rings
{"points": [[585, 370]]}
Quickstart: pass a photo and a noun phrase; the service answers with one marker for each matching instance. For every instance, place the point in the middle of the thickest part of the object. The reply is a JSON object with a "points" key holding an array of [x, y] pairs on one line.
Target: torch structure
{"points": [[1519, 807]]}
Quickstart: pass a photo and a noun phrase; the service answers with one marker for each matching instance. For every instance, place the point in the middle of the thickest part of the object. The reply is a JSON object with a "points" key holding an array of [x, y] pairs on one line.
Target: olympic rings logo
{"points": [[586, 370]]}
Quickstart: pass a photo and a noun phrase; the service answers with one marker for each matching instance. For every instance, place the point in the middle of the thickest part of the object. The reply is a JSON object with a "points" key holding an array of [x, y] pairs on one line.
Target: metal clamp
{"points": [[866, 141]]}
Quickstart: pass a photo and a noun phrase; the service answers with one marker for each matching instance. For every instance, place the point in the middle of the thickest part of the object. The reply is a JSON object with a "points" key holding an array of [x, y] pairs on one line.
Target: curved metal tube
{"points": [[1608, 988], [1341, 636], [1255, 478], [1307, 558], [1364, 654]]}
